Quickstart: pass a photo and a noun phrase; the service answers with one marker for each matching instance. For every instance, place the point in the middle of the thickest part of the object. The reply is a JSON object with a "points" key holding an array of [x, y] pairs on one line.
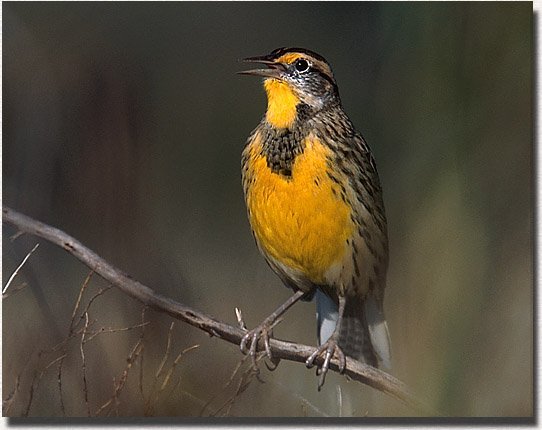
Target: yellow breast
{"points": [[300, 221]]}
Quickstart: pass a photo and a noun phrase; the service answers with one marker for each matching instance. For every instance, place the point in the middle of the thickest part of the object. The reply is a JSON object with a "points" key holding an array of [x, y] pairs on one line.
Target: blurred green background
{"points": [[123, 125]]}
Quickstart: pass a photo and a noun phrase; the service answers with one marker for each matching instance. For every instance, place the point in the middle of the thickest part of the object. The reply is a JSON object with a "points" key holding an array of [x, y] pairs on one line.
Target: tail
{"points": [[378, 329], [364, 332]]}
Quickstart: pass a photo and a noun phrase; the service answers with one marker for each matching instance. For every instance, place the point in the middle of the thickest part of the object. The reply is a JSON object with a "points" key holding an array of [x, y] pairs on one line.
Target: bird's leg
{"points": [[330, 347], [262, 331]]}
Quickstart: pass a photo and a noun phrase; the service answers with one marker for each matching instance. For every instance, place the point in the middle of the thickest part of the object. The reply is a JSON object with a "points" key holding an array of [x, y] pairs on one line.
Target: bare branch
{"points": [[280, 349]]}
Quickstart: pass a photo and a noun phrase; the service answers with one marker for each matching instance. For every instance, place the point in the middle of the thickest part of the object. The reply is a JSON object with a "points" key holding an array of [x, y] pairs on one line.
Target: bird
{"points": [[315, 206]]}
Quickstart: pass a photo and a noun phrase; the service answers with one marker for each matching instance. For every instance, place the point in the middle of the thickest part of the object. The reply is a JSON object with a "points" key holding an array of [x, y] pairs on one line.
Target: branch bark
{"points": [[280, 349]]}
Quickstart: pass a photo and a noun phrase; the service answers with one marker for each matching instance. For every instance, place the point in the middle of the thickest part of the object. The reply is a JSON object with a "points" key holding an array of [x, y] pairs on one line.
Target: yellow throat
{"points": [[281, 103]]}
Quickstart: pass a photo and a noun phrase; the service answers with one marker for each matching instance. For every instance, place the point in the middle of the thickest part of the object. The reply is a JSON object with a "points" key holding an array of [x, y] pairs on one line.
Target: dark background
{"points": [[123, 124]]}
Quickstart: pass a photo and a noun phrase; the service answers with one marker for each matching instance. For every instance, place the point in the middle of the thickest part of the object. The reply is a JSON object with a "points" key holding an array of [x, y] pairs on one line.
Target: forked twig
{"points": [[64, 344]]}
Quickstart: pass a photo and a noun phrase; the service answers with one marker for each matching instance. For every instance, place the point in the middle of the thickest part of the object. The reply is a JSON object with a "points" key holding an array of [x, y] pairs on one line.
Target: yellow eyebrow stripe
{"points": [[289, 58]]}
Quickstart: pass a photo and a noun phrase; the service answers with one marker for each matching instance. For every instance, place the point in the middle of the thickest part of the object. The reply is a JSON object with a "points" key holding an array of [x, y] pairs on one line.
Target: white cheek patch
{"points": [[315, 102]]}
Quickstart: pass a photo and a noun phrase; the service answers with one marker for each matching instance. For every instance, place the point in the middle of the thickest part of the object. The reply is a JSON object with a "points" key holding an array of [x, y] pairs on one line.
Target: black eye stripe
{"points": [[313, 69], [324, 75]]}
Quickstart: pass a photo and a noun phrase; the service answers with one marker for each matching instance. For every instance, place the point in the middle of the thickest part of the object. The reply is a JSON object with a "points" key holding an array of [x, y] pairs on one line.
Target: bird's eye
{"points": [[301, 65]]}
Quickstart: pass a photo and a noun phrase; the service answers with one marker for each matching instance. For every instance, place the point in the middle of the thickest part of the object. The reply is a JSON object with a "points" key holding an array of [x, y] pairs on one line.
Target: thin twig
{"points": [[14, 290], [19, 268], [92, 334], [142, 337], [244, 382], [240, 319], [16, 236], [84, 364], [78, 302], [89, 304], [165, 382], [280, 349], [70, 335], [168, 348], [36, 378], [226, 385], [175, 362], [153, 396], [31, 394], [8, 401], [134, 353]]}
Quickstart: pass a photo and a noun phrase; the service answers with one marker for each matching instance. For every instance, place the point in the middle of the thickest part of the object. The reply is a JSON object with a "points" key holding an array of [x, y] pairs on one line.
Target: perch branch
{"points": [[368, 375]]}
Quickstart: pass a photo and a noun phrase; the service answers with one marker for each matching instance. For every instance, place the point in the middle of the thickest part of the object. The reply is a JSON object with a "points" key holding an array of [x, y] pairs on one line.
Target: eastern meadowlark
{"points": [[315, 206]]}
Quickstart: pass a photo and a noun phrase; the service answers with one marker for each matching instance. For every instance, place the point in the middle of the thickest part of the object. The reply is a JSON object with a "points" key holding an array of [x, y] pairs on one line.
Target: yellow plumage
{"points": [[299, 221], [282, 104]]}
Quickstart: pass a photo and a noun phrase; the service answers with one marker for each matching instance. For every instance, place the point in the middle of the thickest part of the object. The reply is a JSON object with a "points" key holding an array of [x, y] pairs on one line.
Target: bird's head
{"points": [[296, 80]]}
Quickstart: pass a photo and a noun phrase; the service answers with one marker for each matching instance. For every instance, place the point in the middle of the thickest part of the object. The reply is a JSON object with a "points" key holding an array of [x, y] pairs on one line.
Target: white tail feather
{"points": [[378, 329], [327, 313]]}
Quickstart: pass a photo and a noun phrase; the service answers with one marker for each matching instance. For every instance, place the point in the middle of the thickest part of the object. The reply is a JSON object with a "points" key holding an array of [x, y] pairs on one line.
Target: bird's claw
{"points": [[330, 348], [275, 362], [253, 337]]}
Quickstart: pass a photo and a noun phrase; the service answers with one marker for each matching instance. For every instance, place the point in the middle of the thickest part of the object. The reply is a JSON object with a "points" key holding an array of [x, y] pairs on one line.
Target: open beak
{"points": [[274, 69]]}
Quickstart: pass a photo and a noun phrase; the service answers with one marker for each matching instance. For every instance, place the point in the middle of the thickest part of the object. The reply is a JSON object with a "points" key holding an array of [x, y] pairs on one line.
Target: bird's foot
{"points": [[249, 342], [329, 348]]}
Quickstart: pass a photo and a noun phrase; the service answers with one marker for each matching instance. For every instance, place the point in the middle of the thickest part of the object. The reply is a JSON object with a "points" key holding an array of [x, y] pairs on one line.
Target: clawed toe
{"points": [[264, 329], [329, 348], [249, 343]]}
